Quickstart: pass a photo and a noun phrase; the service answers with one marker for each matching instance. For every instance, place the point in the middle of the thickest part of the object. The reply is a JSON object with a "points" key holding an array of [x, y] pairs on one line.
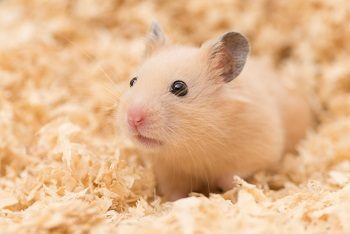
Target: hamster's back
{"points": [[266, 88]]}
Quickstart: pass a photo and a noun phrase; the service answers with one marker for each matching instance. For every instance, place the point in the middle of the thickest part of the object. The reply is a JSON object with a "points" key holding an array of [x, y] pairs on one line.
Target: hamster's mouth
{"points": [[147, 140]]}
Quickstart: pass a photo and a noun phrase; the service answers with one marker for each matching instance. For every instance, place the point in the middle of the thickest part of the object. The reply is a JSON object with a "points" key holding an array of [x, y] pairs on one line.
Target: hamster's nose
{"points": [[136, 117]]}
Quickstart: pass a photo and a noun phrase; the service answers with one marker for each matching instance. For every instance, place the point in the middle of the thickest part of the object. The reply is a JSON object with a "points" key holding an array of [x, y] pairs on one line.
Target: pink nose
{"points": [[136, 117]]}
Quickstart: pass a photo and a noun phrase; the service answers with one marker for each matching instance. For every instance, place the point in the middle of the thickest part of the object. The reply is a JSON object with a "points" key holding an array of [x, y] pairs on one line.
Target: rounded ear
{"points": [[155, 40], [228, 55]]}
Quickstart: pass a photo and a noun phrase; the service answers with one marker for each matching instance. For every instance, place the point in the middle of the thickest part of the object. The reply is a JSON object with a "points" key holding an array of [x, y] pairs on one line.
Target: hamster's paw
{"points": [[176, 195], [225, 182]]}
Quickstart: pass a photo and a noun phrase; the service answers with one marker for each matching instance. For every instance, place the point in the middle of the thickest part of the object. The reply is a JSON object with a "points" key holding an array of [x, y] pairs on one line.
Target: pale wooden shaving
{"points": [[64, 167]]}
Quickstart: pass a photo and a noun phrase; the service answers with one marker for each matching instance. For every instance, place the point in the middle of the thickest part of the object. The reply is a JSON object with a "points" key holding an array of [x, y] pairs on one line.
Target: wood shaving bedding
{"points": [[65, 169]]}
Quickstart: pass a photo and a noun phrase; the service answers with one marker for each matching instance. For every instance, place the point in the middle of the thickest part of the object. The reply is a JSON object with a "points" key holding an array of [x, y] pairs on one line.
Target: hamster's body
{"points": [[219, 128]]}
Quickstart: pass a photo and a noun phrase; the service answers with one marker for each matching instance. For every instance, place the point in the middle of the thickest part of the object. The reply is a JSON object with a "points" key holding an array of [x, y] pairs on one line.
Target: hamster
{"points": [[200, 118]]}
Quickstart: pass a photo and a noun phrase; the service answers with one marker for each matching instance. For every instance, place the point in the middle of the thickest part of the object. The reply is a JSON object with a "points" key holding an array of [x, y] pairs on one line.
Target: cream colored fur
{"points": [[218, 129]]}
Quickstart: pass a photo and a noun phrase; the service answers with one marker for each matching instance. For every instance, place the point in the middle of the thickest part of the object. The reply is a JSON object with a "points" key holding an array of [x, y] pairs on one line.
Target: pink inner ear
{"points": [[221, 63]]}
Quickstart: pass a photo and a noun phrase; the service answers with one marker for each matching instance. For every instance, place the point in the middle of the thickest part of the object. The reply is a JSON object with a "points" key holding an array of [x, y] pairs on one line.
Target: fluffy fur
{"points": [[219, 129]]}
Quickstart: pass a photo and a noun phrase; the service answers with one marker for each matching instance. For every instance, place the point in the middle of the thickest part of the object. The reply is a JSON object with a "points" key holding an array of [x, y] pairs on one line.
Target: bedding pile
{"points": [[64, 168]]}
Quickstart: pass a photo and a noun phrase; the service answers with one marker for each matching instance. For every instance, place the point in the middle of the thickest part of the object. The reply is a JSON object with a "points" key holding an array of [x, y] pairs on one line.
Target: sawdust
{"points": [[63, 167]]}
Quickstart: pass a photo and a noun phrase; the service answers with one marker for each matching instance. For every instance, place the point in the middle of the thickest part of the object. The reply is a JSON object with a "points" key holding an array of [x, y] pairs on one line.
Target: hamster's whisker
{"points": [[84, 52]]}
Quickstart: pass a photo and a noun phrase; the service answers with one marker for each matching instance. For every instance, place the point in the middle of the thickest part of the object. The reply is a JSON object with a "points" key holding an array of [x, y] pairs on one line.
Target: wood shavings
{"points": [[63, 166]]}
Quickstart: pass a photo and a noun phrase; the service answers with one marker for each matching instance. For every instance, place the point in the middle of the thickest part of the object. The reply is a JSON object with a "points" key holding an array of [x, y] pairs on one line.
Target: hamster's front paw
{"points": [[225, 182], [174, 196]]}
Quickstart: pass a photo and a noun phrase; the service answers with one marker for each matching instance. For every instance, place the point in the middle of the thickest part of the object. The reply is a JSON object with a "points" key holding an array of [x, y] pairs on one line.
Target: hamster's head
{"points": [[174, 96]]}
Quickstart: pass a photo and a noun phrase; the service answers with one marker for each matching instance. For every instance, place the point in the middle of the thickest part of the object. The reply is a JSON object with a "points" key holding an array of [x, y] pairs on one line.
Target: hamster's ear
{"points": [[227, 55], [155, 40]]}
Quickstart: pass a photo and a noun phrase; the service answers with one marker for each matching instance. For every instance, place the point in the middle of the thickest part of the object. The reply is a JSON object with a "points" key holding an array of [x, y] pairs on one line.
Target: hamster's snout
{"points": [[136, 117], [141, 126]]}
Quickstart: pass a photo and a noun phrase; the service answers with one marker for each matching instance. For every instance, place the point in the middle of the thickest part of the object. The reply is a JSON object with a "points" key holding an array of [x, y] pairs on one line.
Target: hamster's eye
{"points": [[179, 88], [132, 81]]}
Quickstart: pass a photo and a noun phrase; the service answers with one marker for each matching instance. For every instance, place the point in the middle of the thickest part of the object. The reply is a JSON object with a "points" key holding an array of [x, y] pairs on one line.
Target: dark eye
{"points": [[132, 81], [179, 88]]}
